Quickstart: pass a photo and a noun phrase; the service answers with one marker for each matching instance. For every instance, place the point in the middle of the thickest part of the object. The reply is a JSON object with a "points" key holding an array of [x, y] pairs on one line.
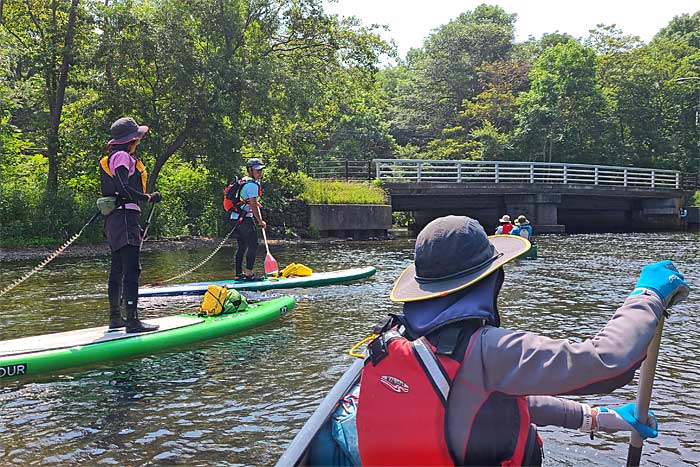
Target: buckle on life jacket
{"points": [[377, 350], [447, 340]]}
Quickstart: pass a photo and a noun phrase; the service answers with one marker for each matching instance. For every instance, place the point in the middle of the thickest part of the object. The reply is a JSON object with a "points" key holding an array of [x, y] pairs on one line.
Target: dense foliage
{"points": [[219, 81]]}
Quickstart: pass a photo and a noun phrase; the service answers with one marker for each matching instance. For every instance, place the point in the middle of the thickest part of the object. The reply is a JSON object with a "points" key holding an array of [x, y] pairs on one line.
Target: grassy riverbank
{"points": [[338, 192]]}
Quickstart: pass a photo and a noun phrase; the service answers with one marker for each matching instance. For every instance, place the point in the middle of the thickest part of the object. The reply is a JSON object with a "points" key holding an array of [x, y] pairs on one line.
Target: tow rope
{"points": [[211, 255], [49, 258]]}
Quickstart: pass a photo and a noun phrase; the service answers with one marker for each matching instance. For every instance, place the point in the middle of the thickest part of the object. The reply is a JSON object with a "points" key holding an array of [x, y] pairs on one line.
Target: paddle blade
{"points": [[270, 265]]}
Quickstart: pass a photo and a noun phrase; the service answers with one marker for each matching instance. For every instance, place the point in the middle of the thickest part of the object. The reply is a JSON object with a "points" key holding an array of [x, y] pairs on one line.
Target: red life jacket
{"points": [[507, 228], [401, 411]]}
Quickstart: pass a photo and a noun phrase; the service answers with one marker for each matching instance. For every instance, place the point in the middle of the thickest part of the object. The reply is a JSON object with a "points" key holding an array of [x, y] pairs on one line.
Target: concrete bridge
{"points": [[556, 198]]}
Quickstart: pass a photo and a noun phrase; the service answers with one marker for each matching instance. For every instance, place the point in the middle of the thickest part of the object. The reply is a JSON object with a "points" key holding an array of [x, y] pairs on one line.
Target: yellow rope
{"points": [[363, 341]]}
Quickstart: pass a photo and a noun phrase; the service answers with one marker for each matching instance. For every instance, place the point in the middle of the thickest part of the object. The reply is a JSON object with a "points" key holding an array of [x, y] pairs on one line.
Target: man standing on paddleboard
{"points": [[245, 195]]}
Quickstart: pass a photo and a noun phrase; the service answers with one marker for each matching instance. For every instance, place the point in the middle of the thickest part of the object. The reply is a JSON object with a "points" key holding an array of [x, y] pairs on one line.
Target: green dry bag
{"points": [[106, 204]]}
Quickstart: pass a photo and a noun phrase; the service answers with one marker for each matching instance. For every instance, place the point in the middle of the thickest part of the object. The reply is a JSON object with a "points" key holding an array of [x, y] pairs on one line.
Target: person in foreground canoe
{"points": [[505, 225], [123, 176], [476, 390], [244, 206]]}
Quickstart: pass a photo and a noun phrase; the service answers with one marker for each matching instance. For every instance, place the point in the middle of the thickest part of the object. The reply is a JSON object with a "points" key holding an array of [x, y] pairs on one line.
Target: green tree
{"points": [[46, 39], [563, 116], [438, 78]]}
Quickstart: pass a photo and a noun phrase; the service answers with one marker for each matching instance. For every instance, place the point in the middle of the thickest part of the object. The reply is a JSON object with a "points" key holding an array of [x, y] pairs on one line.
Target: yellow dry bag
{"points": [[214, 299]]}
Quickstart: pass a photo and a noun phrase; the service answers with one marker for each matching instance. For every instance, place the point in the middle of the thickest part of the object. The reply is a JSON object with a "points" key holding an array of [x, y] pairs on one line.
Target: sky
{"points": [[411, 21]]}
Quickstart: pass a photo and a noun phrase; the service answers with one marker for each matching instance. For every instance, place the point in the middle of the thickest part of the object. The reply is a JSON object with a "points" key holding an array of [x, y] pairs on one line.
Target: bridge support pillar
{"points": [[658, 214], [541, 209]]}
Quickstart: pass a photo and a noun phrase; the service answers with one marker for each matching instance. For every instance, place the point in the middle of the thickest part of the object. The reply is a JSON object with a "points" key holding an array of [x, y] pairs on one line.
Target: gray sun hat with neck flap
{"points": [[452, 253]]}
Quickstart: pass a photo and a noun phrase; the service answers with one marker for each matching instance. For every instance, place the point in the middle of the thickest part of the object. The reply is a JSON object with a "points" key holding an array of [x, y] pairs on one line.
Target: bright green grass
{"points": [[337, 192]]}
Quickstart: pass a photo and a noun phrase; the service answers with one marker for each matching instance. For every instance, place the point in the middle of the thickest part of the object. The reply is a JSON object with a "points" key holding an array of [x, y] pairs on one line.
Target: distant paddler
{"points": [[506, 225], [522, 227]]}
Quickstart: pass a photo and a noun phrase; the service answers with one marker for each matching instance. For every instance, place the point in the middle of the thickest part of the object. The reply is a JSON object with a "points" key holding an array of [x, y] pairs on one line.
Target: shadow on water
{"points": [[240, 400]]}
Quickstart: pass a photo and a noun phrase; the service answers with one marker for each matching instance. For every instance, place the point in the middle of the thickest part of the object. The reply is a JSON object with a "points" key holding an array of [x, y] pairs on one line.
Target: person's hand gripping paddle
{"points": [[664, 280], [270, 262]]}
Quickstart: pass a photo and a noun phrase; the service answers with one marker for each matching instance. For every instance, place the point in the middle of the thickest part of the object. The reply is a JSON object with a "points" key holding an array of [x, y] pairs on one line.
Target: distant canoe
{"points": [[531, 253]]}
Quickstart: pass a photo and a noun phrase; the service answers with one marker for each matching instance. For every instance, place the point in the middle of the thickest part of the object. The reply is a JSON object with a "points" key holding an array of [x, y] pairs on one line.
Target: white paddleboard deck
{"points": [[80, 337], [315, 279]]}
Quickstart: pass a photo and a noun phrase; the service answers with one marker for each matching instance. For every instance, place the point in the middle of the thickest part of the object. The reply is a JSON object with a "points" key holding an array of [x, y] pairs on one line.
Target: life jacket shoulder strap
{"points": [[378, 347], [436, 373], [453, 340], [104, 163], [139, 167]]}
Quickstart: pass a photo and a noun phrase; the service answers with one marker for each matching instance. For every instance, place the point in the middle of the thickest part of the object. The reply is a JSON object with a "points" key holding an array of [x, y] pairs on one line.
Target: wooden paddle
{"points": [[646, 382], [270, 262]]}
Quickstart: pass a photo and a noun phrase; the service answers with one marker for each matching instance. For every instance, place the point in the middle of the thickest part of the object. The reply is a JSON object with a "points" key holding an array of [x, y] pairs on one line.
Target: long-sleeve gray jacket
{"points": [[500, 363]]}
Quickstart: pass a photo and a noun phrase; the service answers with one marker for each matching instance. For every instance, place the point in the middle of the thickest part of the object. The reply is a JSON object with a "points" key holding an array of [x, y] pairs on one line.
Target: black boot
{"points": [[115, 320], [133, 324]]}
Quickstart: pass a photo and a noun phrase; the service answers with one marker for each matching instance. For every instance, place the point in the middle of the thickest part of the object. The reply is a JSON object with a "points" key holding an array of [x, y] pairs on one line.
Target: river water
{"points": [[240, 401]]}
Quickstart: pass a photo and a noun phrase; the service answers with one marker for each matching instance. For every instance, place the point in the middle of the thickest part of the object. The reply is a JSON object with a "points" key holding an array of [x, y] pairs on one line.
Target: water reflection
{"points": [[239, 401]]}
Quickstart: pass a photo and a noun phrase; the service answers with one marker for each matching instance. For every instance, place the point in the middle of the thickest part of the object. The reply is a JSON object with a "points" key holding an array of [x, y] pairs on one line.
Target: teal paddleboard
{"points": [[316, 279], [30, 356]]}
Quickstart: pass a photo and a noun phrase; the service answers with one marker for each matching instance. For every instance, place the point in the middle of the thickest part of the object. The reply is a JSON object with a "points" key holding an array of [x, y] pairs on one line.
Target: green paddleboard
{"points": [[30, 356]]}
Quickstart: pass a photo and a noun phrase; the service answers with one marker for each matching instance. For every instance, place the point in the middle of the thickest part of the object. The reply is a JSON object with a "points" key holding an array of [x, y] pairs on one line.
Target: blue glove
{"points": [[624, 419], [665, 281]]}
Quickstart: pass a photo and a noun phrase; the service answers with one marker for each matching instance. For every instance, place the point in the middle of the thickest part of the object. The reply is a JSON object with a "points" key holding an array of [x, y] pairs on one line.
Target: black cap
{"points": [[254, 163]]}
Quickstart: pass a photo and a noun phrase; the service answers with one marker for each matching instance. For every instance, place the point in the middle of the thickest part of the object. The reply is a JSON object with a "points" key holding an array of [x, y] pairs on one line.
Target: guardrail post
{"points": [[376, 167], [459, 172], [496, 168], [418, 172], [595, 176], [566, 167], [532, 173], [369, 169], [625, 177], [653, 178]]}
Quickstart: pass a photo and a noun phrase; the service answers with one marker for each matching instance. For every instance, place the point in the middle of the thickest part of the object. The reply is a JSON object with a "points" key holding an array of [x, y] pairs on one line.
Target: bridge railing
{"points": [[341, 170], [449, 171]]}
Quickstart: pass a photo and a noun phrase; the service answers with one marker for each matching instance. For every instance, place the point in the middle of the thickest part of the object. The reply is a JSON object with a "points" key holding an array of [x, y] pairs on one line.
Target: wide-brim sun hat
{"points": [[522, 220], [125, 130], [453, 253], [505, 218]]}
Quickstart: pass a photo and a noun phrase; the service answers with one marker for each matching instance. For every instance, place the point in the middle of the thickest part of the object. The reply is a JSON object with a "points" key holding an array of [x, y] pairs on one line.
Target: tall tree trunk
{"points": [[161, 160], [56, 106]]}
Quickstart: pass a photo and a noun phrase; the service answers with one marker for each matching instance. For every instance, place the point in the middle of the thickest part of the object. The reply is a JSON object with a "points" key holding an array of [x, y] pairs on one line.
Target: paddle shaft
{"points": [[646, 382], [265, 238], [148, 224]]}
